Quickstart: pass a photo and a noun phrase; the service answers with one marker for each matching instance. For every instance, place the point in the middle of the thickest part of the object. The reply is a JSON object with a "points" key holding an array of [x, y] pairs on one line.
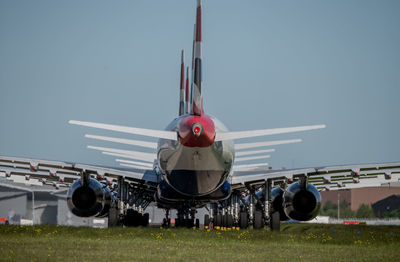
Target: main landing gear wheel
{"points": [[186, 222], [258, 221], [218, 220], [133, 218], [189, 222], [243, 221], [166, 223], [229, 221], [145, 219], [113, 217], [275, 222], [206, 221]]}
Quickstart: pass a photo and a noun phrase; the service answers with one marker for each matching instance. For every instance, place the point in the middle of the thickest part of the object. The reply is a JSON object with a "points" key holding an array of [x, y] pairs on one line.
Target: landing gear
{"points": [[258, 220], [235, 209], [113, 217], [271, 216], [166, 221], [129, 206], [256, 205], [243, 220], [133, 218], [145, 219], [218, 220], [206, 221], [229, 221], [186, 218], [275, 222]]}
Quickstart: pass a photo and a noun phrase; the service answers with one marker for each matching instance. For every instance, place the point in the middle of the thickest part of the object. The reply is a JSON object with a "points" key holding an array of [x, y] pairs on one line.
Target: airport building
{"points": [[388, 204], [358, 196]]}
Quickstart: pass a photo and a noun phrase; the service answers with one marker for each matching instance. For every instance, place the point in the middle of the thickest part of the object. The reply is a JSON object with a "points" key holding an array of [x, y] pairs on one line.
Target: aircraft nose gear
{"points": [[186, 218]]}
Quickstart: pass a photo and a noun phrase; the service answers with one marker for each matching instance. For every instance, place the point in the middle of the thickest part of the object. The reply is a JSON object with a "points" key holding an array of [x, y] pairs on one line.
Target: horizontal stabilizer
{"points": [[148, 156], [130, 130], [263, 132], [141, 158], [124, 141], [134, 162], [254, 152], [248, 158], [266, 143]]}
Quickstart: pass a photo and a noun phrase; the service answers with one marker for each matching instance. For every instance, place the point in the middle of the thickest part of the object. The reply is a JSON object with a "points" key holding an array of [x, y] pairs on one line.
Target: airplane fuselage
{"points": [[195, 165]]}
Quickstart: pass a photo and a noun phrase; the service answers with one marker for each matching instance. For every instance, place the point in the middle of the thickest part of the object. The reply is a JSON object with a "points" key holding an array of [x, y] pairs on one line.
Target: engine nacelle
{"points": [[301, 203], [277, 202], [93, 199]]}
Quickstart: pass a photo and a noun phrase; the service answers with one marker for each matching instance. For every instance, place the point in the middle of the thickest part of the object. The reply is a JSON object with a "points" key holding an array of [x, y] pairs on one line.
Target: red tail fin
{"points": [[182, 87], [187, 92], [197, 99]]}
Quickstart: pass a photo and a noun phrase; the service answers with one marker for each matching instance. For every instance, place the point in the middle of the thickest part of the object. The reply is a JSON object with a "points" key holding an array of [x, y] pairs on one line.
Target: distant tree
{"points": [[392, 214], [330, 209], [345, 210], [365, 211], [329, 205]]}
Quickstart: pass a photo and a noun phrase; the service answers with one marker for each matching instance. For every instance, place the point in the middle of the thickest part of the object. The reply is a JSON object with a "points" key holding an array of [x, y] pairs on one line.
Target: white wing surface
{"points": [[147, 156], [263, 132], [124, 141], [265, 143], [130, 130], [254, 152], [137, 157]]}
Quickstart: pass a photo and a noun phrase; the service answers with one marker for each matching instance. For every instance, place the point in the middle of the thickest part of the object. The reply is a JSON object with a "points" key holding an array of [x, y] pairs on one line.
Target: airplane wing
{"points": [[323, 178], [57, 175]]}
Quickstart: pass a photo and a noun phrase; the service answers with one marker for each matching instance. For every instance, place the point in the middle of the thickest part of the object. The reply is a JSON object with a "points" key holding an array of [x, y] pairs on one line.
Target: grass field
{"points": [[296, 242]]}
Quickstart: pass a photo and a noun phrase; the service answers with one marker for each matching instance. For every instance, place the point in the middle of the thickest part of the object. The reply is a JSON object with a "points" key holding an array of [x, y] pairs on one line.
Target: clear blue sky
{"points": [[266, 64]]}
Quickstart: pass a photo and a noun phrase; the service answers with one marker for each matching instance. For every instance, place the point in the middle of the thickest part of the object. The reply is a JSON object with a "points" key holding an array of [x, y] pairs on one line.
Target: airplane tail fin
{"points": [[187, 92], [182, 87], [196, 96]]}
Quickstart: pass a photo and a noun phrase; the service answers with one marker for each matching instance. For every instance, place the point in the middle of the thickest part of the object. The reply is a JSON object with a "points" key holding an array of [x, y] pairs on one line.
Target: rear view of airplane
{"points": [[196, 165]]}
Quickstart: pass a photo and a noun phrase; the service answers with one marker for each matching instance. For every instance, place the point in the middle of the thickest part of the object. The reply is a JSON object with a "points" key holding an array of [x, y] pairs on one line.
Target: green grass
{"points": [[296, 242]]}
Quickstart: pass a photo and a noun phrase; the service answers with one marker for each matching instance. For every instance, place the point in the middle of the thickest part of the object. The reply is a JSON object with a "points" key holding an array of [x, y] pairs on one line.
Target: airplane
{"points": [[196, 164]]}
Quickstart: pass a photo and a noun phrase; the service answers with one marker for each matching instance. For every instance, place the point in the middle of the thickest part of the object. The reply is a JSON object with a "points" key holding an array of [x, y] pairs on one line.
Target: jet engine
{"points": [[301, 201], [90, 198]]}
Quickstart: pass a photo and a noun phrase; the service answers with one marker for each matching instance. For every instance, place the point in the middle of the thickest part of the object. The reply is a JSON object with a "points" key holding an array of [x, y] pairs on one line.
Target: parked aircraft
{"points": [[197, 163]]}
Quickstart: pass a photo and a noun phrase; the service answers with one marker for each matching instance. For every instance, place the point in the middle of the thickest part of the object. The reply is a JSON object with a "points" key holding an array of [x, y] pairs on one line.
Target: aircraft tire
{"points": [[218, 220], [258, 220], [189, 223], [223, 223], [229, 221], [132, 218], [145, 219], [243, 221], [206, 221], [113, 218], [275, 222]]}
